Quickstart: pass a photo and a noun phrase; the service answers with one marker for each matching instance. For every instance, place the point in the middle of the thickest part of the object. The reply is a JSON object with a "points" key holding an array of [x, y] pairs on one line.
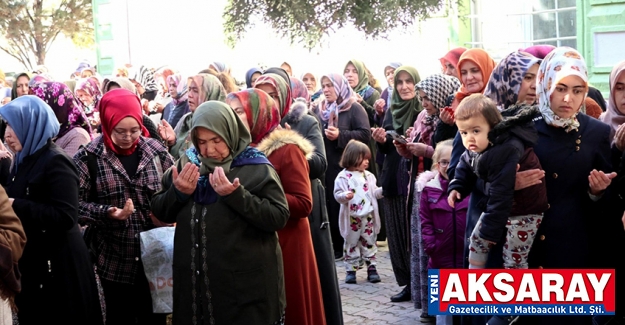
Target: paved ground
{"points": [[369, 303]]}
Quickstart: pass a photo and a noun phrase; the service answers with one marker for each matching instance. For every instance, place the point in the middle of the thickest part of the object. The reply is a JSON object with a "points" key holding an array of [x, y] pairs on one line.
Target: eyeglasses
{"points": [[443, 163], [130, 134]]}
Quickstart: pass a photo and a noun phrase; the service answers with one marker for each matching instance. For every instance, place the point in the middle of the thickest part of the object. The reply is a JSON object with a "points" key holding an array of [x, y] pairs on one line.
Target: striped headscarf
{"points": [[505, 82], [281, 87], [261, 111], [560, 63], [329, 112], [145, 77], [210, 88]]}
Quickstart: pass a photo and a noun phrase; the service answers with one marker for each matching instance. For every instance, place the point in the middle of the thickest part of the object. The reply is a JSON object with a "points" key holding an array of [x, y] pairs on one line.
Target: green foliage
{"points": [[307, 21], [28, 27]]}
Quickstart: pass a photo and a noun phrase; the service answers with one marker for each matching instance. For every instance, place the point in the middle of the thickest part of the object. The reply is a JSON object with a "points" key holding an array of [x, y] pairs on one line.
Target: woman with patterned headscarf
{"points": [[179, 104], [75, 130], [342, 119], [89, 94], [395, 179], [287, 151], [201, 88], [513, 80]]}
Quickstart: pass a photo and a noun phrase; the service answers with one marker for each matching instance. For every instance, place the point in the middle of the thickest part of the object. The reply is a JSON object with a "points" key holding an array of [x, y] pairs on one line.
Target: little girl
{"points": [[442, 226], [359, 221]]}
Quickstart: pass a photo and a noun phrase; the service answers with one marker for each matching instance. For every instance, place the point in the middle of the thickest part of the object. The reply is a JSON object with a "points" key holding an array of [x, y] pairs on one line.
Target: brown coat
{"points": [[12, 242], [288, 152]]}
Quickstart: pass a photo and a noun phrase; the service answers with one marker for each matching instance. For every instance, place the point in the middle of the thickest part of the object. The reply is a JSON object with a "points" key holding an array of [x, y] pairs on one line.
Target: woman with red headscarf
{"points": [[119, 173], [287, 151], [450, 61]]}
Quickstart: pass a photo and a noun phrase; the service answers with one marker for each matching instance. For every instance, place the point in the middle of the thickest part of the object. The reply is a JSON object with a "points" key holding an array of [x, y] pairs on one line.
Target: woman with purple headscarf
{"points": [[88, 94]]}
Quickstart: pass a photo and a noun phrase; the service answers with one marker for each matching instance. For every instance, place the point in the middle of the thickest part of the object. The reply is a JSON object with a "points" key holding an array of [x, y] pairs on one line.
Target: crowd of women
{"points": [[247, 176]]}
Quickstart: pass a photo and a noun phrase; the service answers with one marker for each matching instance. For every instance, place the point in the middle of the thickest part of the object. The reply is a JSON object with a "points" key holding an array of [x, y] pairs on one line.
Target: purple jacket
{"points": [[442, 226]]}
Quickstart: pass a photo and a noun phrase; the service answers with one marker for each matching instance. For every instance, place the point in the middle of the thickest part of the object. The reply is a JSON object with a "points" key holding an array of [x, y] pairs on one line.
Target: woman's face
{"points": [[254, 77], [527, 92], [22, 86], [310, 82], [211, 145], [84, 97], [193, 95], [238, 109], [443, 162], [173, 92], [405, 86], [471, 77], [426, 103], [568, 97], [126, 132], [351, 74], [329, 92], [86, 74], [450, 70], [287, 68], [619, 93], [271, 91], [11, 139], [389, 73]]}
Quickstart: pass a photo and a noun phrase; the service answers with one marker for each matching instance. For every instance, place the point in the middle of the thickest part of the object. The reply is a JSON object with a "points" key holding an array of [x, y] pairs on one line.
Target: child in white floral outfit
{"points": [[359, 220]]}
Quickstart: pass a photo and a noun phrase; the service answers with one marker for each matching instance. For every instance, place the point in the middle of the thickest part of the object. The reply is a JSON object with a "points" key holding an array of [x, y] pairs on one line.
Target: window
{"points": [[500, 27]]}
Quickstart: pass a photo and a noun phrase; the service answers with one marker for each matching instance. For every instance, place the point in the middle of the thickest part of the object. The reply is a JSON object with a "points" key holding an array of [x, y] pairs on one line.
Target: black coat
{"points": [[58, 279]]}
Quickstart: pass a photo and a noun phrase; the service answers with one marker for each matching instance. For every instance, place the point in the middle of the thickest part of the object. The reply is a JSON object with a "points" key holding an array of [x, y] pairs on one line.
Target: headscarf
{"points": [[389, 91], [539, 51], [82, 66], [220, 67], [220, 118], [115, 106], [316, 81], [249, 74], [209, 86], [122, 82], [613, 117], [405, 112], [145, 77], [261, 110], [596, 95], [280, 72], [505, 82], [37, 79], [329, 112], [363, 78], [298, 90], [283, 89], [453, 56], [560, 63], [33, 122], [58, 96], [438, 87], [181, 88], [486, 64], [92, 88], [14, 88]]}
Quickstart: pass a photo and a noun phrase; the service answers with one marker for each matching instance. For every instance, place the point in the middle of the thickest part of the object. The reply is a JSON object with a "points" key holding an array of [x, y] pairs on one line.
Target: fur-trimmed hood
{"points": [[517, 121], [279, 138], [424, 178], [297, 111]]}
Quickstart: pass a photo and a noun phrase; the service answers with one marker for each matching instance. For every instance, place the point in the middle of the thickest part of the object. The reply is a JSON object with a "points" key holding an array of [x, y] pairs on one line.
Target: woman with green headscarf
{"points": [[356, 74], [228, 203], [395, 177], [201, 88]]}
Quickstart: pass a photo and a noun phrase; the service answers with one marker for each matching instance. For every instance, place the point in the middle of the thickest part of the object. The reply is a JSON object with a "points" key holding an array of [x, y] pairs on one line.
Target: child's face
{"points": [[443, 162], [474, 132], [363, 165]]}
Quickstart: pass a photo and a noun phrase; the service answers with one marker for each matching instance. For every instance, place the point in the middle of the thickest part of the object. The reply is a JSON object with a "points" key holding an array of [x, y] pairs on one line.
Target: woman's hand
{"points": [[158, 107], [599, 181], [379, 106], [332, 133], [409, 132], [357, 97], [145, 104], [379, 135], [619, 137], [453, 197], [527, 178], [167, 133], [221, 184], [5, 154], [446, 117], [417, 149], [186, 181], [349, 195], [123, 213]]}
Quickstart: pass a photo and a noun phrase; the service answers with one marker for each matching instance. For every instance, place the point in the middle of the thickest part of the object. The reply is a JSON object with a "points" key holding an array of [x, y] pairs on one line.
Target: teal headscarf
{"points": [[405, 111], [33, 122], [220, 118]]}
